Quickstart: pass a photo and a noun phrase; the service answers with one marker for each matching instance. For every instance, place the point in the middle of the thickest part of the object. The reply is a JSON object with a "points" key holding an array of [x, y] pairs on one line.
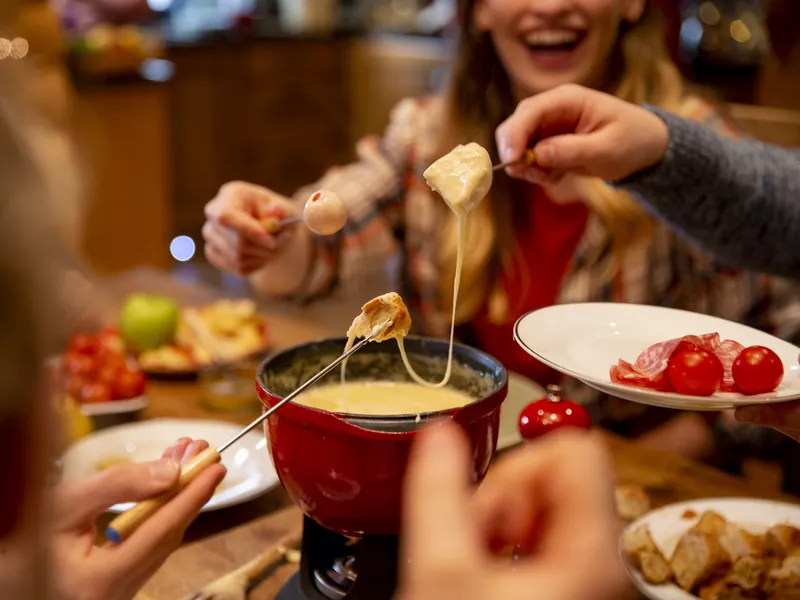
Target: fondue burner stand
{"points": [[333, 567]]}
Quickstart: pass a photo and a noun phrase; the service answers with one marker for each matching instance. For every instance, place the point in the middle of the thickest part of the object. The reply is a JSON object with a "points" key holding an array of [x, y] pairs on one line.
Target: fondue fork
{"points": [[235, 585], [528, 158], [275, 225], [126, 523]]}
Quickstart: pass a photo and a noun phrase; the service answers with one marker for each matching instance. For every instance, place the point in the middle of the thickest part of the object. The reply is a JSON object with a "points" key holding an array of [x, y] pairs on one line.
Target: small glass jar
{"points": [[230, 389]]}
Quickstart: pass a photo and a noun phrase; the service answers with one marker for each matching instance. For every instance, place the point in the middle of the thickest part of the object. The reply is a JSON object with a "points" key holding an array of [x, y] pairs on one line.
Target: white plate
{"points": [[250, 469], [585, 340], [521, 391], [667, 527], [115, 407]]}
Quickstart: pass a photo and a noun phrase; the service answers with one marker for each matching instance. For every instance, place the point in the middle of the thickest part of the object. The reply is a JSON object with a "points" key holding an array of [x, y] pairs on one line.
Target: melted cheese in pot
{"points": [[382, 398]]}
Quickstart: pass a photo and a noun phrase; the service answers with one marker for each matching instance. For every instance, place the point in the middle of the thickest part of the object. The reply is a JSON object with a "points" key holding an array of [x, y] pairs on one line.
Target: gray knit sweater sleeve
{"points": [[737, 199]]}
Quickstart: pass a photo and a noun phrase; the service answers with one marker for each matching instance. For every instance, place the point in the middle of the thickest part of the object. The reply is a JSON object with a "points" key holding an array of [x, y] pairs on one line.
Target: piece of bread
{"points": [[462, 177], [736, 542], [636, 541], [654, 567], [721, 590], [697, 559], [747, 573], [710, 523], [641, 551], [388, 308], [782, 540], [632, 502], [783, 583]]}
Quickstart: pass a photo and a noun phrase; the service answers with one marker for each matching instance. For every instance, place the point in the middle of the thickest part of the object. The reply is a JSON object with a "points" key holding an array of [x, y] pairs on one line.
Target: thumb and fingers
{"points": [[78, 503], [557, 490], [558, 111], [784, 416], [155, 539], [439, 537]]}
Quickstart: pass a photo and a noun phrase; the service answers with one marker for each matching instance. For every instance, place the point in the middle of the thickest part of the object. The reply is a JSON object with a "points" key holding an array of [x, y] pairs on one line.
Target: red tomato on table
{"points": [[75, 385], [757, 370], [110, 367], [111, 341], [75, 363], [128, 384], [95, 392], [695, 372], [83, 343]]}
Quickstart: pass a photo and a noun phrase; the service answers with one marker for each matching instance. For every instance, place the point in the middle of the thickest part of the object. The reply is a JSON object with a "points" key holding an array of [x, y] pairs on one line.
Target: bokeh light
{"points": [[182, 248]]}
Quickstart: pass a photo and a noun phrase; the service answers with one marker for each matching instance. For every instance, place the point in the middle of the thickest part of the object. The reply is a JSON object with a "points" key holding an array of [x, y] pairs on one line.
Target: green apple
{"points": [[148, 321]]}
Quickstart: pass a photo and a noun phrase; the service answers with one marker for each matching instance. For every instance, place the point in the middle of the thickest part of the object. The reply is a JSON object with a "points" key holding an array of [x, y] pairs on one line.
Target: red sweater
{"points": [[547, 236]]}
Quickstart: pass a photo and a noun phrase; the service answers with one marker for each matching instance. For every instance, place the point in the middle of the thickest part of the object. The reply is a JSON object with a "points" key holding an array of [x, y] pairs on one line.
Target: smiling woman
{"points": [[550, 45], [528, 246]]}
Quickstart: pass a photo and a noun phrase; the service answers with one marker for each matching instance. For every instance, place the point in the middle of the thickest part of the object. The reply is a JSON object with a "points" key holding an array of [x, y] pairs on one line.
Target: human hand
{"points": [[553, 498], [784, 416], [83, 571], [581, 131], [235, 232]]}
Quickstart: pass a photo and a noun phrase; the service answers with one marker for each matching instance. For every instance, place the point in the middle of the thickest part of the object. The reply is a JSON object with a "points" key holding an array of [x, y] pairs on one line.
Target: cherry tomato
{"points": [[110, 369], [75, 385], [111, 341], [128, 384], [757, 370], [78, 364], [83, 343], [551, 413], [95, 392], [695, 372]]}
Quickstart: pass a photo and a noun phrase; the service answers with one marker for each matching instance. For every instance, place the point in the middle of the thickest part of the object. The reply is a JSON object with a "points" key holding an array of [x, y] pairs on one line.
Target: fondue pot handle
{"points": [[126, 523]]}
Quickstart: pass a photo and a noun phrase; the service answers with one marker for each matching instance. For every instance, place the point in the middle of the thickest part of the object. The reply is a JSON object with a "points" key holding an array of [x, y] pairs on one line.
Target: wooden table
{"points": [[262, 522], [222, 540]]}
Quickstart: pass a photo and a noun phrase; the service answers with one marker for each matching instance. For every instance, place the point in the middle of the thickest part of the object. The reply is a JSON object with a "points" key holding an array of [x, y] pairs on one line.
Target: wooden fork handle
{"points": [[126, 523], [271, 557]]}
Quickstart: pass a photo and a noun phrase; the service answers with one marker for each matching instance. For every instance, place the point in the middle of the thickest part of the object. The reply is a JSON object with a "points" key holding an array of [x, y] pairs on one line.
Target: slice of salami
{"points": [[727, 352], [650, 369], [628, 374], [654, 360]]}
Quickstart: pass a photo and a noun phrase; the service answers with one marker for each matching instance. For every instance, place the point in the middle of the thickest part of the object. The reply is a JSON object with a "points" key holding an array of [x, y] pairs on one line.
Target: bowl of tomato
{"points": [[106, 381]]}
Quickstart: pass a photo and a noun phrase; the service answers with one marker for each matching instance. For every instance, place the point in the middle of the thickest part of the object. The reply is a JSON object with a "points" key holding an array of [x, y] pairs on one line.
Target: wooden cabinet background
{"points": [[124, 131], [274, 113]]}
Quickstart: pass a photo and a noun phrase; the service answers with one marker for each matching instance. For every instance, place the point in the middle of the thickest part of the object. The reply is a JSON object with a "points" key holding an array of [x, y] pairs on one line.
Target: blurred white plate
{"points": [[521, 392], [115, 406], [250, 470], [667, 526], [585, 340]]}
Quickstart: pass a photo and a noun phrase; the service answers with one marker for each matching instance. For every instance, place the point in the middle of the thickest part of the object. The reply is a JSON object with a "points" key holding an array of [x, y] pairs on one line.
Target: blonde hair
{"points": [[479, 98], [26, 263]]}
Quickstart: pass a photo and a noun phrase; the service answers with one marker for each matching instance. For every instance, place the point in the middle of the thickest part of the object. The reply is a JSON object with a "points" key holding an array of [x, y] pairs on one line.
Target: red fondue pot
{"points": [[346, 471]]}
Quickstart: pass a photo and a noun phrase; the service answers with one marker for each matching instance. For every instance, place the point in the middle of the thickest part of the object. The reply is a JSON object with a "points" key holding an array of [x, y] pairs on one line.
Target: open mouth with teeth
{"points": [[554, 40]]}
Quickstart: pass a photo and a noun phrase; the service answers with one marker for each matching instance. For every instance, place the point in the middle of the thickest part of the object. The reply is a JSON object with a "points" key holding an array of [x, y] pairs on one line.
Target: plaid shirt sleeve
{"points": [[373, 190]]}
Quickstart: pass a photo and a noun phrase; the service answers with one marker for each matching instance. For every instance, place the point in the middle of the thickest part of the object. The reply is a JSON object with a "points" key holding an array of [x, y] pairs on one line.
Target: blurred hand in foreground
{"points": [[785, 417], [553, 498]]}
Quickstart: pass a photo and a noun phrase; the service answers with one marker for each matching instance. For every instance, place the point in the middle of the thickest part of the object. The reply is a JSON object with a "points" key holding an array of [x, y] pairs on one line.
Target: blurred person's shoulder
{"points": [[416, 122]]}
